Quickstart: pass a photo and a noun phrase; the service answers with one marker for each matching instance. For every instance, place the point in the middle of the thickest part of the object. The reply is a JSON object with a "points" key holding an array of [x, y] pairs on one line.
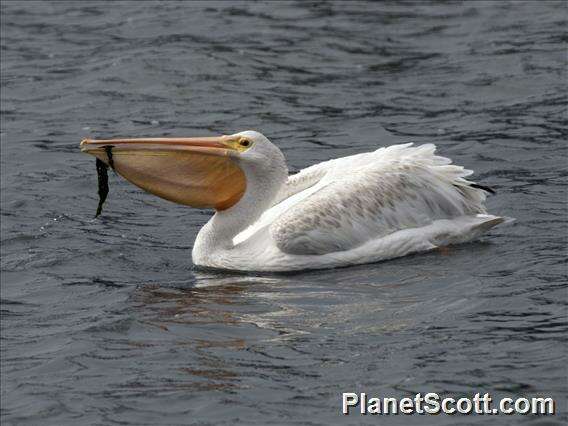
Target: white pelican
{"points": [[357, 209]]}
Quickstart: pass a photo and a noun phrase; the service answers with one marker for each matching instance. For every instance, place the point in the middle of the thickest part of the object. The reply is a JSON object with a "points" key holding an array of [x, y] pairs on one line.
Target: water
{"points": [[105, 321]]}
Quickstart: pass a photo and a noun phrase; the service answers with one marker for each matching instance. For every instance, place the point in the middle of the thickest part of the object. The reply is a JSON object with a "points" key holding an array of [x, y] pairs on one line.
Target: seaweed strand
{"points": [[108, 150], [103, 185], [102, 174]]}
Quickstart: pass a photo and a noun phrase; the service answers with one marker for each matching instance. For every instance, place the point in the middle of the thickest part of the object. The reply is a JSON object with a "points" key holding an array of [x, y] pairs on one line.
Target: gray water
{"points": [[105, 321]]}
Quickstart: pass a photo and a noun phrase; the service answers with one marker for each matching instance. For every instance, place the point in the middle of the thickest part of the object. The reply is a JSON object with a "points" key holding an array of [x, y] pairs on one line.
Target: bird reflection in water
{"points": [[177, 312]]}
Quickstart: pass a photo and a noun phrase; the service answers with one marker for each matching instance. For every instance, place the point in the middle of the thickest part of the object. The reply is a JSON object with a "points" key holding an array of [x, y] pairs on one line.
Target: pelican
{"points": [[358, 209]]}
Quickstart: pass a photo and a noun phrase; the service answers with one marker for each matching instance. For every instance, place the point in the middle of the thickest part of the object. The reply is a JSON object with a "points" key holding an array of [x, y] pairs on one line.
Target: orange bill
{"points": [[198, 172]]}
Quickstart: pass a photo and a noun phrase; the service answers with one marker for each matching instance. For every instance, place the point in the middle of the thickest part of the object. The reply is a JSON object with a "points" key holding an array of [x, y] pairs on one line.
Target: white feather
{"points": [[357, 209]]}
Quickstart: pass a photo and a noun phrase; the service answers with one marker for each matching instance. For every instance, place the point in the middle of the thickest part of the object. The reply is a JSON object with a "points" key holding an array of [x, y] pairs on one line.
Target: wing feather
{"points": [[371, 195]]}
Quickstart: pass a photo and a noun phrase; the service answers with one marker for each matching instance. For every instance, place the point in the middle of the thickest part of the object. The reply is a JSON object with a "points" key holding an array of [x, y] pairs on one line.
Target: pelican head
{"points": [[202, 172]]}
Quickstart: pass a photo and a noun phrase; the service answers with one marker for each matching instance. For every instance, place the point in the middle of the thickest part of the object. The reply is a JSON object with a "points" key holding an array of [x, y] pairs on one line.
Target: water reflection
{"points": [[283, 307]]}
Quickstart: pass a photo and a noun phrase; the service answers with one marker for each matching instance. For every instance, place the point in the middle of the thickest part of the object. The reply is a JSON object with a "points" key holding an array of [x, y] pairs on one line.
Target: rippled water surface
{"points": [[105, 321]]}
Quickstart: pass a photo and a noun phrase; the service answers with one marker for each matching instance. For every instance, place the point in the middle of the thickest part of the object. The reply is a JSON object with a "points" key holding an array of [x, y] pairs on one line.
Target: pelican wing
{"points": [[368, 196], [301, 185], [310, 176]]}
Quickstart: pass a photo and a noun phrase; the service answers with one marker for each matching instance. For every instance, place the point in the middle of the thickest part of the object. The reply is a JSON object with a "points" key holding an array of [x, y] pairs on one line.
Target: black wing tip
{"points": [[483, 188]]}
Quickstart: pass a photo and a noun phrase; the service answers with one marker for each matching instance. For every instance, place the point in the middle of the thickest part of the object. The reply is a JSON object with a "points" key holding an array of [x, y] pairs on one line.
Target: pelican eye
{"points": [[244, 142]]}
